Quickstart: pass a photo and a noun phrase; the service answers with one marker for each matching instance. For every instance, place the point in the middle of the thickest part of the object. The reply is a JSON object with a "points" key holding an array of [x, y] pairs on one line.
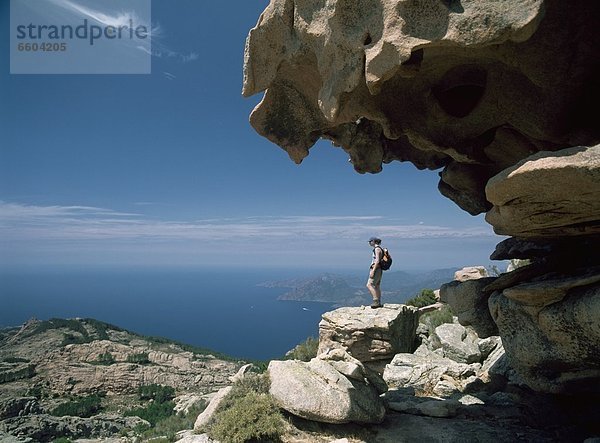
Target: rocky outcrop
{"points": [[470, 273], [470, 304], [79, 358], [369, 334], [46, 428], [496, 95], [318, 391], [548, 194], [473, 87]]}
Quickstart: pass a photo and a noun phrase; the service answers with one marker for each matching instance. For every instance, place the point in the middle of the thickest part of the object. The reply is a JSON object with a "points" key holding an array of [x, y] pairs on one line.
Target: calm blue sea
{"points": [[223, 311]]}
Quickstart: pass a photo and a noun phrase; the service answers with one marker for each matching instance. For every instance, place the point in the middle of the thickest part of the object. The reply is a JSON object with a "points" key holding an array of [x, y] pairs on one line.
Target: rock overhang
{"points": [[471, 87]]}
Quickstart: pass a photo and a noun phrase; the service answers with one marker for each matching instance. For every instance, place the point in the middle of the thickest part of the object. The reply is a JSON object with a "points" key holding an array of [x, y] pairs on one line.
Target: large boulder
{"points": [[457, 343], [551, 333], [317, 391], [548, 194], [428, 373], [370, 334], [470, 304]]}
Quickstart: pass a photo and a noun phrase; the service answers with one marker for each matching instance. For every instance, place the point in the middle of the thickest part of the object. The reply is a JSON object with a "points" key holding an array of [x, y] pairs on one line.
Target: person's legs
{"points": [[374, 287]]}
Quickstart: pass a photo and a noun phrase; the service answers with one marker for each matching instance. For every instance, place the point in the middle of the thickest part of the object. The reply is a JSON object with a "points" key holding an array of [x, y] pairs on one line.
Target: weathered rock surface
{"points": [[369, 334], [318, 391], [82, 357], [552, 336], [548, 194], [471, 273], [205, 417], [457, 343], [46, 428], [470, 304], [472, 87]]}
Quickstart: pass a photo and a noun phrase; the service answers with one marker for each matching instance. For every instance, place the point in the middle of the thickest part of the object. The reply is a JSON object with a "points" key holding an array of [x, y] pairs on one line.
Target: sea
{"points": [[222, 310]]}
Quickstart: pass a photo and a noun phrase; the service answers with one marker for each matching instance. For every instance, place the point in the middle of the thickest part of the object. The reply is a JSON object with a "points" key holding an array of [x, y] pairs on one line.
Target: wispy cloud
{"points": [[31, 222], [154, 46]]}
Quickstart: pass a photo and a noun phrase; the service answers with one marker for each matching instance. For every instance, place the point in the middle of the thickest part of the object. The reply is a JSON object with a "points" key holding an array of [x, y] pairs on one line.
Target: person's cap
{"points": [[375, 239]]}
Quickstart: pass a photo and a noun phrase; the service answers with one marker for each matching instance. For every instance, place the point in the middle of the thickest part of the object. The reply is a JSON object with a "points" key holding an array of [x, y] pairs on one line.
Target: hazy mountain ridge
{"points": [[397, 286]]}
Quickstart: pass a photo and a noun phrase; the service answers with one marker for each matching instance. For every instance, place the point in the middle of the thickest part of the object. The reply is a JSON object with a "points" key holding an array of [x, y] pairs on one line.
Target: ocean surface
{"points": [[221, 310]]}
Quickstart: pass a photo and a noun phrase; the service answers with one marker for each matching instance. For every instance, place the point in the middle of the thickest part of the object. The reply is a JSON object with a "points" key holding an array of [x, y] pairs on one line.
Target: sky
{"points": [[163, 169]]}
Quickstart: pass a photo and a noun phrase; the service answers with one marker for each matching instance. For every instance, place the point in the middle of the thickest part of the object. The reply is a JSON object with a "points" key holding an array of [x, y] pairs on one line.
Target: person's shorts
{"points": [[376, 280]]}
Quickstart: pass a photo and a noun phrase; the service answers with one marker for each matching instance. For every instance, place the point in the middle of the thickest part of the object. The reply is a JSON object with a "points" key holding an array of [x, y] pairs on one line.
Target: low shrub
{"points": [[435, 318], [154, 412], [254, 417], [248, 413], [79, 407], [105, 359], [305, 351], [140, 359], [425, 298], [158, 393]]}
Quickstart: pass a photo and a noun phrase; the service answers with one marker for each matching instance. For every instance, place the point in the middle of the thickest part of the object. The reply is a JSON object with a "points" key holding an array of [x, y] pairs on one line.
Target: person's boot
{"points": [[376, 304]]}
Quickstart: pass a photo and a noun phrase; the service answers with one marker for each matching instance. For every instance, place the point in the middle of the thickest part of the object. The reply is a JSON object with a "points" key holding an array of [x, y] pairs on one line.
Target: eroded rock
{"points": [[548, 194], [318, 391], [472, 87], [369, 334]]}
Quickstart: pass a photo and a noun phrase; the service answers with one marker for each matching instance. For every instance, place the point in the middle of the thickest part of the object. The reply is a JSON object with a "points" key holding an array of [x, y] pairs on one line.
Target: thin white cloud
{"points": [[73, 223], [152, 46]]}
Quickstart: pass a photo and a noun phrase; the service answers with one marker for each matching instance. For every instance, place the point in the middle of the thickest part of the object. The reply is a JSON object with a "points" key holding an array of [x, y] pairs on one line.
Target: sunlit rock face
{"points": [[468, 86], [501, 97]]}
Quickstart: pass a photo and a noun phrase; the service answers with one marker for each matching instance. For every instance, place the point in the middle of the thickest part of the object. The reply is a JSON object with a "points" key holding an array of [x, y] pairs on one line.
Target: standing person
{"points": [[375, 272]]}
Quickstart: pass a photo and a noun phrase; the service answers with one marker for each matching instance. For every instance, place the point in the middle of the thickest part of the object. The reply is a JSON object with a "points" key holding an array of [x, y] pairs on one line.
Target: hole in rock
{"points": [[368, 40], [461, 89]]}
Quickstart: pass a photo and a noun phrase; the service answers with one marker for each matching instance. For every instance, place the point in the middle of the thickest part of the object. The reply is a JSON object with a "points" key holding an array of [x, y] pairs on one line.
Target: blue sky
{"points": [[165, 170]]}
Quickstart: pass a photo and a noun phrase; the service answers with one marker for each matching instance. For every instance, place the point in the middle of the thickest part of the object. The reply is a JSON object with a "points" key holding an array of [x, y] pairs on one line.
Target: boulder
{"points": [[369, 334], [548, 194], [424, 372], [317, 391], [553, 347], [457, 343], [470, 273], [430, 407], [206, 415], [470, 304]]}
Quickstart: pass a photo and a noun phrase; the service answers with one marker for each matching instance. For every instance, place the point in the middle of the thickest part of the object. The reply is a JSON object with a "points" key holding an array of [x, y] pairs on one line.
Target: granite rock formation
{"points": [[497, 95], [45, 364]]}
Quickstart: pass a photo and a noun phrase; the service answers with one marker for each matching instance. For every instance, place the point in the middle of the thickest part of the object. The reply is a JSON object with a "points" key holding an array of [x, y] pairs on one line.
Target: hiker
{"points": [[375, 272]]}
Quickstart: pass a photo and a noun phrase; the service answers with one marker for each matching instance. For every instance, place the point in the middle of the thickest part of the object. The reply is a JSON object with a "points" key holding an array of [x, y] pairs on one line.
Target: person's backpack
{"points": [[386, 259]]}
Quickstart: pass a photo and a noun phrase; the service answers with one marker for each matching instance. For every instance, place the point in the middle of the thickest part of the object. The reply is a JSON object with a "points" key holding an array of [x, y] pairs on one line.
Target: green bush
{"points": [[140, 359], [435, 318], [105, 359], [254, 417], [79, 407], [425, 298], [247, 413], [154, 412], [158, 393], [161, 406], [305, 351]]}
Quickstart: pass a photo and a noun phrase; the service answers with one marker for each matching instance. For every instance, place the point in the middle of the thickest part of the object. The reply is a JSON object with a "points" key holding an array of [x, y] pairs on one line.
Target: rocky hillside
{"points": [[46, 364]]}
